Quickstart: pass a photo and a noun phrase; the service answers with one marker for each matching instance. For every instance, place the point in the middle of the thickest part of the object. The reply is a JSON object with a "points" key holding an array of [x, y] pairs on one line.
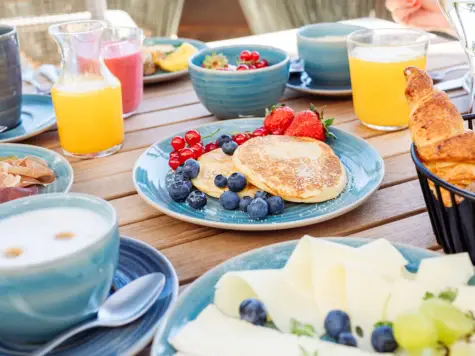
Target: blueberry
{"points": [[258, 209], [253, 311], [180, 177], [244, 203], [220, 181], [229, 200], [224, 138], [347, 339], [191, 168], [179, 190], [276, 205], [197, 199], [261, 194], [179, 170], [383, 339], [229, 147], [237, 182], [337, 322]]}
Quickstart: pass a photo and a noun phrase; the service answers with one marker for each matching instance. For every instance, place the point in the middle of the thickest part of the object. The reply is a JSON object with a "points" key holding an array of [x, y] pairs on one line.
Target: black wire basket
{"points": [[451, 209]]}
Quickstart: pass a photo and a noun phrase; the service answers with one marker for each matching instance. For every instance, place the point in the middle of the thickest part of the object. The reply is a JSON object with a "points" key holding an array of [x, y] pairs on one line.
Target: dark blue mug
{"points": [[10, 78]]}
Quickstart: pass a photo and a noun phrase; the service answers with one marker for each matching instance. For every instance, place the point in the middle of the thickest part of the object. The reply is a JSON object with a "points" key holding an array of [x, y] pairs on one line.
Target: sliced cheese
{"points": [[281, 301], [406, 296], [446, 272], [214, 334], [465, 300]]}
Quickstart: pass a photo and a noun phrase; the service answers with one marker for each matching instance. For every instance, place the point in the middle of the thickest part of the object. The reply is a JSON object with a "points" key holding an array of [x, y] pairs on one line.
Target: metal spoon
{"points": [[440, 75], [123, 307]]}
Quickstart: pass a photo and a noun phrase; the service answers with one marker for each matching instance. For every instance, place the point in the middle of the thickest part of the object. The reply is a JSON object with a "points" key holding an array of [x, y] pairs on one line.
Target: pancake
{"points": [[213, 163], [298, 169]]}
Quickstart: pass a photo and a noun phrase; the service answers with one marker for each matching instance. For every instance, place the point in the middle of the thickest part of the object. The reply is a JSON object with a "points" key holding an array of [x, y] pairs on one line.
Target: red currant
{"points": [[252, 66], [192, 137], [262, 63], [185, 154], [175, 154], [177, 143], [254, 56], [240, 139], [174, 163], [258, 133], [242, 67], [249, 135], [264, 130], [211, 147], [245, 56], [198, 149], [278, 132]]}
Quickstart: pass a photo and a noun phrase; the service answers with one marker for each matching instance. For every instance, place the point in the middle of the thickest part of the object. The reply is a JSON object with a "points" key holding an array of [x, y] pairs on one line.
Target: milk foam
{"points": [[385, 54], [48, 234], [330, 39]]}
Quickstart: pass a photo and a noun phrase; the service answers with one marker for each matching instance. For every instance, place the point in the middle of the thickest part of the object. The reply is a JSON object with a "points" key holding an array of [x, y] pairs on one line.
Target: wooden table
{"points": [[396, 211]]}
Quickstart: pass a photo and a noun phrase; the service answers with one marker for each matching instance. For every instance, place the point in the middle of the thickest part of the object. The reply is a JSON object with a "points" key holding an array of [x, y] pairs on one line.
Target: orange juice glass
{"points": [[87, 98], [377, 61]]}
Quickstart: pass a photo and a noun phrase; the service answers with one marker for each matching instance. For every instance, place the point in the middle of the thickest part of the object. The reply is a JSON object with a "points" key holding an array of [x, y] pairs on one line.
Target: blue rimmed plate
{"points": [[161, 75], [37, 116], [300, 81], [201, 293], [60, 165], [364, 167], [136, 259]]}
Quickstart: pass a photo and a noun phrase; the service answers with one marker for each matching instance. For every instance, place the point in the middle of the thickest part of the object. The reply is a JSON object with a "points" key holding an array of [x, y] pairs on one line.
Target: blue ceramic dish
{"points": [[161, 75], [201, 293], [136, 259], [364, 167], [323, 49], [37, 116], [60, 165], [232, 94], [41, 300], [301, 82]]}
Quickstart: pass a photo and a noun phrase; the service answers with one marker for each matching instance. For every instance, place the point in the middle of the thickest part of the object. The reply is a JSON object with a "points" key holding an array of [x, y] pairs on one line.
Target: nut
{"points": [[64, 235], [13, 252]]}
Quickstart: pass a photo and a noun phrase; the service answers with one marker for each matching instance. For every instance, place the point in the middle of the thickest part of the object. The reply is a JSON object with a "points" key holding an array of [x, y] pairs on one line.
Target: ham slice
{"points": [[12, 193]]}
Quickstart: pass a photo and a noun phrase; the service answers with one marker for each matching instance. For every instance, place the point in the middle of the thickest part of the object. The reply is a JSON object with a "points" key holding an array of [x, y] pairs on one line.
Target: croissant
{"points": [[443, 143]]}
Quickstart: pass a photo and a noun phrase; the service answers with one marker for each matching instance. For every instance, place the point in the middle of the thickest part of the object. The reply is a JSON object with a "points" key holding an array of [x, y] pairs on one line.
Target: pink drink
{"points": [[124, 61]]}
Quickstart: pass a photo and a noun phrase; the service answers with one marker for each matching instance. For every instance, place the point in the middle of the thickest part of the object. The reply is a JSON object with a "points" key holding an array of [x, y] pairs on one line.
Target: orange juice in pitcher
{"points": [[87, 98]]}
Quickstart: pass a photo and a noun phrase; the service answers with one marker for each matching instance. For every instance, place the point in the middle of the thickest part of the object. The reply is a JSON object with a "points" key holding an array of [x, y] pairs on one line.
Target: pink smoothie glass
{"points": [[121, 50]]}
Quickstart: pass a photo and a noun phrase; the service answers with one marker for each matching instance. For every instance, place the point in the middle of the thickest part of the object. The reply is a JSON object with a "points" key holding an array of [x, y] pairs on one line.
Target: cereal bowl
{"points": [[231, 94], [58, 256]]}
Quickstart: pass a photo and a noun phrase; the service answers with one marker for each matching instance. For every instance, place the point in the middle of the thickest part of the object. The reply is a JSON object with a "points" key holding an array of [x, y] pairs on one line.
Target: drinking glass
{"points": [[377, 60], [121, 49], [87, 98]]}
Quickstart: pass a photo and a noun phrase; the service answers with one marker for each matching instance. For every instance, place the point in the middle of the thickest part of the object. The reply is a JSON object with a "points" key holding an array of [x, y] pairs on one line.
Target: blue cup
{"points": [[39, 301], [233, 94], [10, 78], [323, 49]]}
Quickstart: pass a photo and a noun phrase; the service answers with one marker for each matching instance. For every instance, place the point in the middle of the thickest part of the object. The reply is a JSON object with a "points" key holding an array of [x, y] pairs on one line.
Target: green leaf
{"points": [[428, 296], [359, 331], [313, 108], [300, 329], [448, 295], [383, 323], [329, 122]]}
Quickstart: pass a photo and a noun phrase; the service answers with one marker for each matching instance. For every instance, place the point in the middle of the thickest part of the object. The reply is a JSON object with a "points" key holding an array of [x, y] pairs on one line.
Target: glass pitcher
{"points": [[87, 98]]}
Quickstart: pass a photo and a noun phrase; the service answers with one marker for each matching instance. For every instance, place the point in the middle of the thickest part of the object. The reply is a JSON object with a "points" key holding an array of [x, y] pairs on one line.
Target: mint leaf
{"points": [[359, 331], [448, 295], [300, 329], [383, 323], [428, 296]]}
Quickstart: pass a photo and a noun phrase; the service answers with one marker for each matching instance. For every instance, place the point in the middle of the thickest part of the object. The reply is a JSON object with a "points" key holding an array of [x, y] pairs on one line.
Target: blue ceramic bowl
{"points": [[323, 48], [39, 301], [232, 94]]}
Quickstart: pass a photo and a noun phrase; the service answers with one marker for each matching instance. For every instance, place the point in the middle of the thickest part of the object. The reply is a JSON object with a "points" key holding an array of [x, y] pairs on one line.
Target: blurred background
{"points": [[206, 20]]}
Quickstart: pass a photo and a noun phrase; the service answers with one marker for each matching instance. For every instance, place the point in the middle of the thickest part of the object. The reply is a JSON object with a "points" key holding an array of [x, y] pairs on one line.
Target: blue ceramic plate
{"points": [[364, 167], [161, 75], [136, 259], [201, 293], [300, 81], [37, 116], [61, 167]]}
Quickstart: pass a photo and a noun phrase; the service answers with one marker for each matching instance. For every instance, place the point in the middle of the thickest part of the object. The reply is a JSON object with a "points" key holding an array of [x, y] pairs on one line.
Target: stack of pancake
{"points": [[298, 169]]}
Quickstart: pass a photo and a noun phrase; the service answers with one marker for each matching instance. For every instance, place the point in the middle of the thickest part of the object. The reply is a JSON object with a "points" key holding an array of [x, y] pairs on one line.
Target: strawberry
{"points": [[278, 118], [310, 123]]}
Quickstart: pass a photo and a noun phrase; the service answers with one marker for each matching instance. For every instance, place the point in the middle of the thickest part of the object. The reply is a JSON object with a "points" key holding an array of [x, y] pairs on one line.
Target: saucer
{"points": [[136, 259], [37, 116], [300, 81], [161, 75]]}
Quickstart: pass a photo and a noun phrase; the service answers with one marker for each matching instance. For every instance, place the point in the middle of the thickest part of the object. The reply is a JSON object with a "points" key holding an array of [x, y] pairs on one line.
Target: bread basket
{"points": [[453, 223]]}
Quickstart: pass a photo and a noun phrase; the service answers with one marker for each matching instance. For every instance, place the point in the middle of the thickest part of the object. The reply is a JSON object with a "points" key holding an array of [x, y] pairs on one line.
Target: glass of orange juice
{"points": [[87, 97], [377, 61]]}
